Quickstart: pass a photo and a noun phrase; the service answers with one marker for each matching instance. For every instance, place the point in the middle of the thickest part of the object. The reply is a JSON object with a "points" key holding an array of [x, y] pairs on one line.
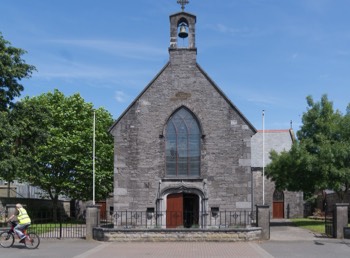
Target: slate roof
{"points": [[278, 140]]}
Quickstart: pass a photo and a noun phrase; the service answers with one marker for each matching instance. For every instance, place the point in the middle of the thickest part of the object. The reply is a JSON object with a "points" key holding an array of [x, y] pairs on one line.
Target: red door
{"points": [[278, 205], [278, 208], [174, 212], [103, 210]]}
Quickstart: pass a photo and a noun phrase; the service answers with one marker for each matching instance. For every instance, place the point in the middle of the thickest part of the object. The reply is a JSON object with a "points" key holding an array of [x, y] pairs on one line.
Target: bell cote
{"points": [[182, 31]]}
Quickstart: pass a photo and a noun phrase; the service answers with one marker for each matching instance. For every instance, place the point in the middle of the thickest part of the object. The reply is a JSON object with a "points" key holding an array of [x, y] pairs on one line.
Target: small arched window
{"points": [[182, 145]]}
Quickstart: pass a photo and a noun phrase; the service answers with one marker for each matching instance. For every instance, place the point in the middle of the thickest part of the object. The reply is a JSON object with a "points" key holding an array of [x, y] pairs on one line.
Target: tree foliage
{"points": [[320, 159], [19, 134], [55, 142], [8, 161], [12, 70]]}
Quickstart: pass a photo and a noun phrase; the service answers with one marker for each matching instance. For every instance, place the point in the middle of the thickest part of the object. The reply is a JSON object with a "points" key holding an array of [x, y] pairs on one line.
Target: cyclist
{"points": [[23, 221]]}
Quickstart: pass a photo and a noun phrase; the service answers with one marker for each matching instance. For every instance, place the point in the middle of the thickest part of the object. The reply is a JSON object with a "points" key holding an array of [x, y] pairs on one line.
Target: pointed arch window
{"points": [[183, 145]]}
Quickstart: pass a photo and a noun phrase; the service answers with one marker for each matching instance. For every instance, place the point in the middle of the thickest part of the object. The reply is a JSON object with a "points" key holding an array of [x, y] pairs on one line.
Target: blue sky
{"points": [[264, 54]]}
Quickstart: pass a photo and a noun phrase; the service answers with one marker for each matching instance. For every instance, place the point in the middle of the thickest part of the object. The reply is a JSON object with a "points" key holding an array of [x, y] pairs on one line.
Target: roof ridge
{"points": [[274, 131]]}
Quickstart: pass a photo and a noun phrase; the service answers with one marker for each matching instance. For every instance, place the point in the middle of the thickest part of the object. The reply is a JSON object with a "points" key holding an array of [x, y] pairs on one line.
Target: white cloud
{"points": [[344, 53], [126, 49], [120, 96], [225, 29], [81, 70], [238, 32], [295, 56], [318, 6], [96, 60]]}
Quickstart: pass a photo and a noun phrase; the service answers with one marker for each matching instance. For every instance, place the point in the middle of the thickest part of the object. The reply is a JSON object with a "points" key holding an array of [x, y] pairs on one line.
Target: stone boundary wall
{"points": [[332, 198], [177, 235], [34, 206]]}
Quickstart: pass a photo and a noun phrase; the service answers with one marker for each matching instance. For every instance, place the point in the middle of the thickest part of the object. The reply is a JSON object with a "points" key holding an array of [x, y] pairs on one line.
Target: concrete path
{"points": [[284, 230], [288, 241]]}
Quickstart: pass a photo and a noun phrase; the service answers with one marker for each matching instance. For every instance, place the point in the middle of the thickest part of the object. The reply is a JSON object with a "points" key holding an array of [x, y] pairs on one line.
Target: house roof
{"points": [[178, 13], [277, 140]]}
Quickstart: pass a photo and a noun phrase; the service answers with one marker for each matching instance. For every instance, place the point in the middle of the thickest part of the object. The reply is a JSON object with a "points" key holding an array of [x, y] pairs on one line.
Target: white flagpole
{"points": [[93, 161], [263, 154]]}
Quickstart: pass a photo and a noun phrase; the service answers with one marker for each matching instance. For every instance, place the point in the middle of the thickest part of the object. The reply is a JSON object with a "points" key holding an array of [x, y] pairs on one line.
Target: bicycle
{"points": [[7, 238]]}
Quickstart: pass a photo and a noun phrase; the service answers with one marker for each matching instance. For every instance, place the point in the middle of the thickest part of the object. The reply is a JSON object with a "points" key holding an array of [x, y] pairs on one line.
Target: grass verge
{"points": [[310, 224]]}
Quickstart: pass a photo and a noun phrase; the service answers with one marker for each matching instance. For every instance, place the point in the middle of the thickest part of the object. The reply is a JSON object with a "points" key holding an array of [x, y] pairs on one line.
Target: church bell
{"points": [[183, 33]]}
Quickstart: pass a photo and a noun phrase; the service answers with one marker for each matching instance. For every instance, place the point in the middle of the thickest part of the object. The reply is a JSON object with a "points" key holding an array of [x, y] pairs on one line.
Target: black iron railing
{"points": [[232, 219], [329, 222], [174, 219], [46, 225]]}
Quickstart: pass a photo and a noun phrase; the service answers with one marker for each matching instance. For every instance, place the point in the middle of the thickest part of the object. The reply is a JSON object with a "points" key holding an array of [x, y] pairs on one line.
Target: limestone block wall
{"points": [[112, 235]]}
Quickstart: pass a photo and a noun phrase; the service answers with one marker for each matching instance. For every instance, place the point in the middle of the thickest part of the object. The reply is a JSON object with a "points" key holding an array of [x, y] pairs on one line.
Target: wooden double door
{"points": [[182, 210]]}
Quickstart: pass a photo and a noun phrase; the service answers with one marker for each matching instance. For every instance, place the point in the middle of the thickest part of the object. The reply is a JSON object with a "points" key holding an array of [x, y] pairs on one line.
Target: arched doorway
{"points": [[182, 210], [278, 205]]}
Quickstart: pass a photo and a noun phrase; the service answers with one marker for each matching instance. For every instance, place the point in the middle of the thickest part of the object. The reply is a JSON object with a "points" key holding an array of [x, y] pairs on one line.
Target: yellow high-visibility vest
{"points": [[23, 217]]}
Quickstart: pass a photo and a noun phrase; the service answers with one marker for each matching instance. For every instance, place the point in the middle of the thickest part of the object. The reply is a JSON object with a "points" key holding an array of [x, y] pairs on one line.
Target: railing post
{"points": [[92, 220], [60, 221], [263, 220], [126, 219], [340, 219]]}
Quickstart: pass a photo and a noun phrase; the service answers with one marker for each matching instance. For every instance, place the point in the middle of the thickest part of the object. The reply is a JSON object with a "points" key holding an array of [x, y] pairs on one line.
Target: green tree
{"points": [[8, 161], [20, 132], [58, 154], [320, 158], [12, 69]]}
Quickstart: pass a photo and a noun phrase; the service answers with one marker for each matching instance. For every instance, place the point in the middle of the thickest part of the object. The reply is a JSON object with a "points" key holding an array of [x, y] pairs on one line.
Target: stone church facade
{"points": [[182, 147]]}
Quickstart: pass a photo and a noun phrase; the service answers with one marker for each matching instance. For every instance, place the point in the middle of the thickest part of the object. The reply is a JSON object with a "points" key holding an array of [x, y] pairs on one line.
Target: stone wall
{"points": [[332, 198], [4, 191], [198, 235]]}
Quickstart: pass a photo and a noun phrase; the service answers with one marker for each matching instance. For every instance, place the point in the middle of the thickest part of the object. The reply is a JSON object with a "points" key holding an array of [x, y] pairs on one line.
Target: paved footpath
{"points": [[289, 242], [174, 250], [286, 241], [85, 249]]}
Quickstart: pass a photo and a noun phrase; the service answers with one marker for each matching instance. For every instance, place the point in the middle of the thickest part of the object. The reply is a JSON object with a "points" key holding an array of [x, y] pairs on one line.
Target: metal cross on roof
{"points": [[183, 3]]}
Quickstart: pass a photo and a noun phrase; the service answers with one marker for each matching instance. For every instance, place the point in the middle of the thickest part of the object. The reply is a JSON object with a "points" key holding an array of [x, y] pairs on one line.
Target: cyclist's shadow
{"points": [[19, 246]]}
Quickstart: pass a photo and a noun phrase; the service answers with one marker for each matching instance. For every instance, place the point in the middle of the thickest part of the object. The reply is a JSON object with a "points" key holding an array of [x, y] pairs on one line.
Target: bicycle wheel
{"points": [[6, 239], [32, 241]]}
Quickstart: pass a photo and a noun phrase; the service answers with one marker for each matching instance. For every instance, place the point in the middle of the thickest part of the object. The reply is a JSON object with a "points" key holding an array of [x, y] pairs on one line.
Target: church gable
{"points": [[184, 84], [182, 79], [179, 85]]}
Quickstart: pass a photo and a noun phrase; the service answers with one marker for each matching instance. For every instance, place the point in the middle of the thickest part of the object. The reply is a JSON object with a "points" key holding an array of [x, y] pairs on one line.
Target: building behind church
{"points": [[182, 148]]}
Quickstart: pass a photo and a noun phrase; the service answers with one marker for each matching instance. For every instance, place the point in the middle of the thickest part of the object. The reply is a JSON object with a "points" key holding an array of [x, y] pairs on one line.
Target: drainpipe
{"points": [[204, 204], [252, 192], [158, 204]]}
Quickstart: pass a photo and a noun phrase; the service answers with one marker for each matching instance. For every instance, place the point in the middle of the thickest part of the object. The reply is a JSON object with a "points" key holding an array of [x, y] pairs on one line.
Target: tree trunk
{"points": [[8, 189], [55, 208], [341, 195]]}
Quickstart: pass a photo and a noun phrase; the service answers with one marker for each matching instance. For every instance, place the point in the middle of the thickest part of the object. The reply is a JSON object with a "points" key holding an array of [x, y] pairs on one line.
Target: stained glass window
{"points": [[183, 145]]}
